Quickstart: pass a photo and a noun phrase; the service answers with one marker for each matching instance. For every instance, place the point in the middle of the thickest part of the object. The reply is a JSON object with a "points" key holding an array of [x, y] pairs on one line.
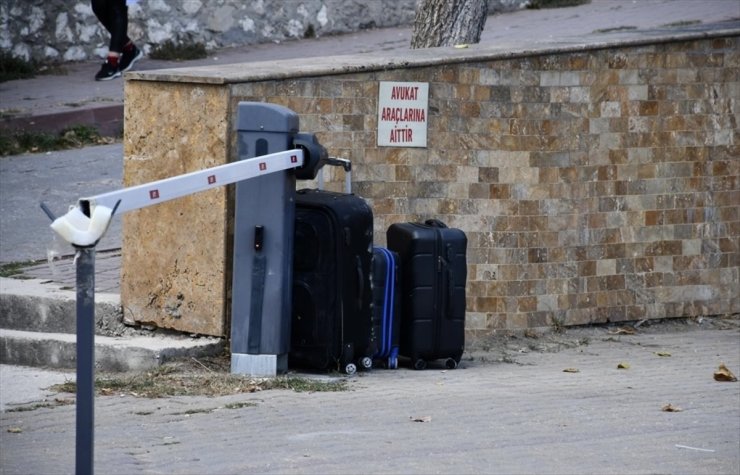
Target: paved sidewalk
{"points": [[526, 417]]}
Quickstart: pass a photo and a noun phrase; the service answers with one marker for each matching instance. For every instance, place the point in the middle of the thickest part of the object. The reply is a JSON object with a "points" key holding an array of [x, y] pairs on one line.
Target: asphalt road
{"points": [[58, 179]]}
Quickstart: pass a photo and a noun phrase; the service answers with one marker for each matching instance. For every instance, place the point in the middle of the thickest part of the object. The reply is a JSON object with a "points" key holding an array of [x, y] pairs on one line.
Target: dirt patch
{"points": [[207, 376], [506, 346]]}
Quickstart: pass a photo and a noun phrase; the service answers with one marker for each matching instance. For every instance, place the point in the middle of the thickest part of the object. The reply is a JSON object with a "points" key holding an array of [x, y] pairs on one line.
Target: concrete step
{"points": [[38, 305], [58, 350], [38, 328]]}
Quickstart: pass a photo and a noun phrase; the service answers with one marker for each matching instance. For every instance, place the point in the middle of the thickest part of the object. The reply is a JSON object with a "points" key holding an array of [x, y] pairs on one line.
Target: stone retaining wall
{"points": [[595, 184], [67, 30]]}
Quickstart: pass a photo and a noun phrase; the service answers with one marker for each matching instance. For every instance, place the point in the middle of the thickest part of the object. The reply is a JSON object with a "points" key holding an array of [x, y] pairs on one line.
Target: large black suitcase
{"points": [[331, 313], [386, 275], [433, 290]]}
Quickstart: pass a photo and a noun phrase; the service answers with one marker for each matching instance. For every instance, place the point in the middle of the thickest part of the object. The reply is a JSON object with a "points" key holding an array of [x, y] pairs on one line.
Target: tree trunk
{"points": [[448, 22]]}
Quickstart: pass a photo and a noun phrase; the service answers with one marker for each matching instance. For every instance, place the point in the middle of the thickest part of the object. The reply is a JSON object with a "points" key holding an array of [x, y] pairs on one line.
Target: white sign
{"points": [[403, 108]]}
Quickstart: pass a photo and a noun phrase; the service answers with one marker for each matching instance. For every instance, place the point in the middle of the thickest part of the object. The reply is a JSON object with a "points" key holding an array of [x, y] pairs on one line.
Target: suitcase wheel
{"points": [[450, 363], [350, 368], [392, 362], [366, 363], [420, 364]]}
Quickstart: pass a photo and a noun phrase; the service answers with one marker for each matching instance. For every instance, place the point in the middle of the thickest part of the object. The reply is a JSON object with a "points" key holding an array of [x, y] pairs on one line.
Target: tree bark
{"points": [[448, 22]]}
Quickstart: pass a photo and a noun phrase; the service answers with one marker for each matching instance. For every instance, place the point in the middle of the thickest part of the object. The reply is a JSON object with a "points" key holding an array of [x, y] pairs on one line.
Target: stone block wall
{"points": [[594, 184]]}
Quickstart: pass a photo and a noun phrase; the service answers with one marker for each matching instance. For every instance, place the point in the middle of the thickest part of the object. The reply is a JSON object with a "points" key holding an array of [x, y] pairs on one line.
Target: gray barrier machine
{"points": [[272, 155], [263, 240]]}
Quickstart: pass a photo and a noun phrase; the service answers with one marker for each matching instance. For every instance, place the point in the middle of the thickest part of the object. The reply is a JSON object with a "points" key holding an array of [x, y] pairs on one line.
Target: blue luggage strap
{"points": [[388, 299]]}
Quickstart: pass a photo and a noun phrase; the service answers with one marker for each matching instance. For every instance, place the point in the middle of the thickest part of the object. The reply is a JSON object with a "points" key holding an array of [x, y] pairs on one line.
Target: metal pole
{"points": [[85, 261]]}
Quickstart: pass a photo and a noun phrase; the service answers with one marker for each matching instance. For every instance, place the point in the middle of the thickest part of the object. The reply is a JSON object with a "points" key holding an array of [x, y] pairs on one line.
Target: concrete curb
{"points": [[108, 120]]}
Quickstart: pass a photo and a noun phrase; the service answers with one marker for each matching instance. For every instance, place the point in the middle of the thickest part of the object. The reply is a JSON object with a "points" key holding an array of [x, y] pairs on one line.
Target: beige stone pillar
{"points": [[175, 270]]}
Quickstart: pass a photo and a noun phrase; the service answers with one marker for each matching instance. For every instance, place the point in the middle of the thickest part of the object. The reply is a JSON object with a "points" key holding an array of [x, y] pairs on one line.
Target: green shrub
{"points": [[18, 142], [172, 51], [12, 67], [536, 4], [15, 68]]}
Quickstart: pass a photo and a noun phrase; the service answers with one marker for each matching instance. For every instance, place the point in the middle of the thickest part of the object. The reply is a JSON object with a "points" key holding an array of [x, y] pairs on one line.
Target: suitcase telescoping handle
{"points": [[435, 223], [337, 162]]}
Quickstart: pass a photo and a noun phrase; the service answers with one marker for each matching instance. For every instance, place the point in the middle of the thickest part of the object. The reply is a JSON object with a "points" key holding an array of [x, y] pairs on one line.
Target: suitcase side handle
{"points": [[360, 282], [450, 274]]}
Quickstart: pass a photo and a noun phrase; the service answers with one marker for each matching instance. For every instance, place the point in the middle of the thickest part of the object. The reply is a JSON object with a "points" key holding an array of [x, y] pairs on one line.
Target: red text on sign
{"points": [[401, 135], [405, 93], [403, 114]]}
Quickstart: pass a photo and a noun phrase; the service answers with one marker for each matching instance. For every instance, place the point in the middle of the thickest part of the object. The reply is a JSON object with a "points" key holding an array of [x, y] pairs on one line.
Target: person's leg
{"points": [[113, 14], [122, 53], [119, 25]]}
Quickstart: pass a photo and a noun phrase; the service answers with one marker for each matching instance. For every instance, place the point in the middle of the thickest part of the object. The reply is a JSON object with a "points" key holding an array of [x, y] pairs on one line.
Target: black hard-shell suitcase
{"points": [[386, 306], [433, 290], [332, 253]]}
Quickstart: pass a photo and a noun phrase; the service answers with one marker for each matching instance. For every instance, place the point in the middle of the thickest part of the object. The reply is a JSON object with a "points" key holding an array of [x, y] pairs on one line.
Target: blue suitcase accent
{"points": [[386, 306]]}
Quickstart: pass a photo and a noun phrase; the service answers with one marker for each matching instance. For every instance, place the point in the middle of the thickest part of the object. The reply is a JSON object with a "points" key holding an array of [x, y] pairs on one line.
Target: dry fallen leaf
{"points": [[421, 419], [623, 366], [663, 353], [15, 430], [571, 370], [624, 331], [671, 408], [724, 374]]}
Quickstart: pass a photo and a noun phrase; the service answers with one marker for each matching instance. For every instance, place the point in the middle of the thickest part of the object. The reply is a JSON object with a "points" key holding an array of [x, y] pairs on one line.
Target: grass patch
{"points": [[41, 405], [617, 28], [172, 51], [239, 405], [12, 68], [190, 412], [558, 325], [18, 142], [677, 24], [15, 268], [305, 385], [167, 381], [6, 113], [537, 4]]}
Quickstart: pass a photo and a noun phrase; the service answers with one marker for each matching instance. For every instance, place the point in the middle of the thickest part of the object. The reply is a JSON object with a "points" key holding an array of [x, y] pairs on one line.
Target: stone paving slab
{"points": [[62, 271], [525, 417]]}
